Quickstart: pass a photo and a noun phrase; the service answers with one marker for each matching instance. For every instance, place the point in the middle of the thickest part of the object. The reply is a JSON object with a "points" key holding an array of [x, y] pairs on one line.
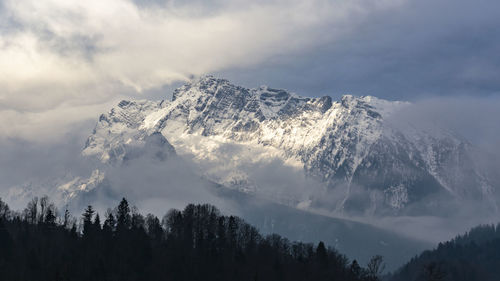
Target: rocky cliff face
{"points": [[348, 146]]}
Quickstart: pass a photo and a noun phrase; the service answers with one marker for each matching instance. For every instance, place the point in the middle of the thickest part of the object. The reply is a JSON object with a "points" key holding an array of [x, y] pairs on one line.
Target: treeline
{"points": [[469, 257], [197, 243]]}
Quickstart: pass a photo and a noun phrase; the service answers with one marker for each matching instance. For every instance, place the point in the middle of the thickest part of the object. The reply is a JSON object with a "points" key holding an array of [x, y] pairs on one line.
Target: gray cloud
{"points": [[475, 119], [30, 169], [156, 186], [58, 54], [22, 160], [421, 49]]}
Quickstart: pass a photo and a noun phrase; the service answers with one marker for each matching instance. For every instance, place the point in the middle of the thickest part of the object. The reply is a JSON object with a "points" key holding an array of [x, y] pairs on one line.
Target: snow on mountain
{"points": [[60, 190], [116, 136], [362, 161], [78, 185]]}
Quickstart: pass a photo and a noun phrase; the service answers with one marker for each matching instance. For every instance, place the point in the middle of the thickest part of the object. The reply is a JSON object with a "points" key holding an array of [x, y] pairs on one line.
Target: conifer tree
{"points": [[123, 217], [355, 269], [87, 220], [110, 222], [321, 254], [97, 222]]}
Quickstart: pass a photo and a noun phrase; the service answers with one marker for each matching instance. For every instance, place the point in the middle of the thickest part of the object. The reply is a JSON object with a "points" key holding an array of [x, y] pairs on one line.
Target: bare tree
{"points": [[4, 210], [31, 211], [375, 267], [67, 217], [44, 201]]}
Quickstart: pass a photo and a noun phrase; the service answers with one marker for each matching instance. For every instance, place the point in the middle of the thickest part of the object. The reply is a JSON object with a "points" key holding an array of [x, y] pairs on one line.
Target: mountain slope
{"points": [[473, 256]]}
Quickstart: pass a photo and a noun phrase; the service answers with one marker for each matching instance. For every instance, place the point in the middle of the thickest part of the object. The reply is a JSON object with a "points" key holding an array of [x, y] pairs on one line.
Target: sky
{"points": [[64, 62], [78, 58]]}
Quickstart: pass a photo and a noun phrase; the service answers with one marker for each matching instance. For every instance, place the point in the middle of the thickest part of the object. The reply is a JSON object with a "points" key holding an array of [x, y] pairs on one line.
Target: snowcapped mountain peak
{"points": [[348, 144], [206, 85], [374, 105]]}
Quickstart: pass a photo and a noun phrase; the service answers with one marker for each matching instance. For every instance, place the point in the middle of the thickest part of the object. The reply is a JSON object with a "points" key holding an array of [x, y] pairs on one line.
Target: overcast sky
{"points": [[63, 61]]}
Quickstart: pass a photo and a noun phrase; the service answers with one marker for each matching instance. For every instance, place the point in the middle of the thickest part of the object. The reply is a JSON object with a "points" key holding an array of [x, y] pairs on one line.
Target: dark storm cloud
{"points": [[422, 49]]}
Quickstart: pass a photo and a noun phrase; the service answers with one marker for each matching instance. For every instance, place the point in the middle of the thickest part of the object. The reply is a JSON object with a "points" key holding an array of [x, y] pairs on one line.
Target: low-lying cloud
{"points": [[475, 119]]}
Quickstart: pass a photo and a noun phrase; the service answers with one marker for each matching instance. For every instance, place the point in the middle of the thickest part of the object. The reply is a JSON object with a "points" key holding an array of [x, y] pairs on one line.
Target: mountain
{"points": [[118, 138], [355, 156], [279, 160]]}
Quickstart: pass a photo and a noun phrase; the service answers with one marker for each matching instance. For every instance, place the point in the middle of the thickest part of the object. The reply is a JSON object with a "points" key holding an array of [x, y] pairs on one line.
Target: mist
{"points": [[36, 166], [474, 119]]}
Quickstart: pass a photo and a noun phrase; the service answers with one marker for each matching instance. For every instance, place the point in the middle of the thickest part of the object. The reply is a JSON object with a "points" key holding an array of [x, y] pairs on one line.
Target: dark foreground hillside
{"points": [[197, 243], [473, 256]]}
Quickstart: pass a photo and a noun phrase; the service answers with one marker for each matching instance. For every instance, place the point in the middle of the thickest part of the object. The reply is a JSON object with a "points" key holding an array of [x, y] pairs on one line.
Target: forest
{"points": [[197, 243], [472, 256]]}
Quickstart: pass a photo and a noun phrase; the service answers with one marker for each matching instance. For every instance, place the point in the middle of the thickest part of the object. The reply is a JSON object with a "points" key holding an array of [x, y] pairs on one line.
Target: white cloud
{"points": [[56, 53]]}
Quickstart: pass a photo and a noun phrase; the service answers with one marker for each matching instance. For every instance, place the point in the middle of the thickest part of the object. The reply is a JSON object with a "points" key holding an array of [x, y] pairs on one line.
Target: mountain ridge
{"points": [[347, 145]]}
